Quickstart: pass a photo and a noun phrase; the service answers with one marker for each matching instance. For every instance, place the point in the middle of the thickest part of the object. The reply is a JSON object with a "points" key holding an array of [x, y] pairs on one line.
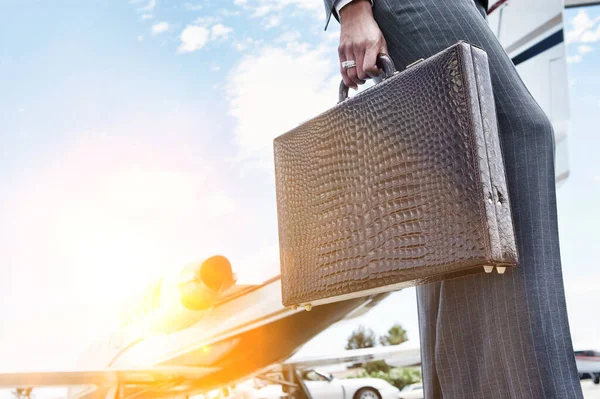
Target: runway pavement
{"points": [[590, 391]]}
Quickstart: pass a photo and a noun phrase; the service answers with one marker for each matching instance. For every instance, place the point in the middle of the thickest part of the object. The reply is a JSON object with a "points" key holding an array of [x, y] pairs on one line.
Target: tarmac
{"points": [[590, 391]]}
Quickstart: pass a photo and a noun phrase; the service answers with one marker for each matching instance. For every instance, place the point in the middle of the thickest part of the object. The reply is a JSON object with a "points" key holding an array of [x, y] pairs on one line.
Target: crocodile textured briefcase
{"points": [[399, 185]]}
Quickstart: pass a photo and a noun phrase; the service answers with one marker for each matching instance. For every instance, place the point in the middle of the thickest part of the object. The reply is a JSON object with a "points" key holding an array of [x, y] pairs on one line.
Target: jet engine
{"points": [[201, 285]]}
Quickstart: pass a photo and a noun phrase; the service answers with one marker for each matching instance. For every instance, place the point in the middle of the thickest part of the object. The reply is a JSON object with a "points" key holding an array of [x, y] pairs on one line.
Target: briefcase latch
{"points": [[415, 63]]}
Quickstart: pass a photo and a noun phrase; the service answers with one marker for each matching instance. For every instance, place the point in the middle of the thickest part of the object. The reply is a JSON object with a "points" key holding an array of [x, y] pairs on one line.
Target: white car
{"points": [[325, 386], [412, 391]]}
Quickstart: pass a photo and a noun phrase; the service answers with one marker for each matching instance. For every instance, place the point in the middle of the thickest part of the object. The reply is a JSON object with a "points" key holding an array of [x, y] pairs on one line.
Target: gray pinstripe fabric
{"points": [[494, 336]]}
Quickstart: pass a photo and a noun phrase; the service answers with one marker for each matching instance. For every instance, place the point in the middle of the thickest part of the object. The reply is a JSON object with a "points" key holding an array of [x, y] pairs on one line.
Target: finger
{"points": [[370, 62], [360, 70], [383, 46], [347, 81], [343, 71], [352, 74]]}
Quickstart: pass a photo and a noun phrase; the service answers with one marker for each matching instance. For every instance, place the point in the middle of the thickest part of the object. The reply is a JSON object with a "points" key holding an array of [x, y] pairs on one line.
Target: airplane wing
{"points": [[367, 306], [403, 355], [580, 3], [102, 377]]}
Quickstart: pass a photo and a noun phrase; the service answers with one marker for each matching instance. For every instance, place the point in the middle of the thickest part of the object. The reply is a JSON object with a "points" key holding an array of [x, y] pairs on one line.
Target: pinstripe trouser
{"points": [[494, 336]]}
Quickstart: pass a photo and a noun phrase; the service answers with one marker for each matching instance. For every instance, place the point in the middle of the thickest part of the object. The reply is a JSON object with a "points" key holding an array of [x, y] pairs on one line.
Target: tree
{"points": [[377, 366], [361, 337], [395, 336], [397, 377]]}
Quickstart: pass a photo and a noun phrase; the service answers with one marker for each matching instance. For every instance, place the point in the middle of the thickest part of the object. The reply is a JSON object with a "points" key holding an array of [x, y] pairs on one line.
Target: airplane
{"points": [[198, 330], [405, 354], [588, 365], [532, 33], [193, 331]]}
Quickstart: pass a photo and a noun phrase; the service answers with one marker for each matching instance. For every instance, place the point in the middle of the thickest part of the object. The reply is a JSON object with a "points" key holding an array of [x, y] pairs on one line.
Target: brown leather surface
{"points": [[402, 183]]}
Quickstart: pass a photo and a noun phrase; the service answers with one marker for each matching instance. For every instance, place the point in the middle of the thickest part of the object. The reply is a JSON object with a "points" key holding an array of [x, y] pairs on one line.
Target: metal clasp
{"points": [[415, 63]]}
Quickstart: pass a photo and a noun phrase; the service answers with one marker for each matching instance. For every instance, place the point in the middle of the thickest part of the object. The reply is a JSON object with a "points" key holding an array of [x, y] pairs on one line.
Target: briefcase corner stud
{"points": [[499, 269]]}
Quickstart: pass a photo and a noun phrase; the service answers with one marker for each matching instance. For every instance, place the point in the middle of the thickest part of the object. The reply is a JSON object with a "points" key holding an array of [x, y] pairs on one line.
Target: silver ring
{"points": [[349, 64]]}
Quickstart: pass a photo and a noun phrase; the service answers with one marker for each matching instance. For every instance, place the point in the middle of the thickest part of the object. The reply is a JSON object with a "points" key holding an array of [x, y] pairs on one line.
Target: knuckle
{"points": [[360, 46]]}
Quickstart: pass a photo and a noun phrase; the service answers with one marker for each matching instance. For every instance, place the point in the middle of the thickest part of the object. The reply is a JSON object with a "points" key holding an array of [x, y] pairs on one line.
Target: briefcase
{"points": [[400, 185]]}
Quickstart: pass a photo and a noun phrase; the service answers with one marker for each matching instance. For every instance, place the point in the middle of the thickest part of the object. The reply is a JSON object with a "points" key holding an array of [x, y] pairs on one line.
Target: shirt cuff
{"points": [[339, 4]]}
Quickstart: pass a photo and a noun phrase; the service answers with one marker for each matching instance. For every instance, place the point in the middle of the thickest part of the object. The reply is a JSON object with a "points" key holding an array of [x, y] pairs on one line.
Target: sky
{"points": [[136, 137]]}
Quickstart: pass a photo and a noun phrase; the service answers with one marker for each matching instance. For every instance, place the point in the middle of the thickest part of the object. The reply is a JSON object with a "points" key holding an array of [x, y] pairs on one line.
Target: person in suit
{"points": [[502, 336]]}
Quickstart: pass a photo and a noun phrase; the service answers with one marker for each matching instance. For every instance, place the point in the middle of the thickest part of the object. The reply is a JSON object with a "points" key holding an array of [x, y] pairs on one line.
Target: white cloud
{"points": [[215, 68], [208, 20], [193, 7], [585, 49], [149, 6], [273, 21], [160, 27], [246, 44], [140, 38], [288, 37], [147, 16], [582, 51], [262, 8], [228, 13], [220, 31], [591, 36], [193, 38], [583, 29], [302, 82], [597, 178]]}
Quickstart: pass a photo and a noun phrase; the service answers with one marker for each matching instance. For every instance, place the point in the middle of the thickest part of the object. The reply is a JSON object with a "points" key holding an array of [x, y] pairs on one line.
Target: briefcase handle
{"points": [[384, 62]]}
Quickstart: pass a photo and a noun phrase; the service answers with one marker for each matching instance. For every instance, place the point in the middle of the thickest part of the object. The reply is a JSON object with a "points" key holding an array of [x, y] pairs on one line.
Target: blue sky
{"points": [[135, 136]]}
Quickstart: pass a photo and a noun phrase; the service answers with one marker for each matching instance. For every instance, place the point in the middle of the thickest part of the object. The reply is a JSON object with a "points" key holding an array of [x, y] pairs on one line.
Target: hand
{"points": [[361, 40]]}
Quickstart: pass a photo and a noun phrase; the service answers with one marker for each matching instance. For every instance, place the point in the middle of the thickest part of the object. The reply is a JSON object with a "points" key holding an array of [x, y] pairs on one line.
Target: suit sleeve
{"points": [[329, 7], [332, 7]]}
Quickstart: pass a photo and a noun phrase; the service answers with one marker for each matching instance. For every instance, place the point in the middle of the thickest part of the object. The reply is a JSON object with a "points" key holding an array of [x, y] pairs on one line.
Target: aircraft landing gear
{"points": [[291, 383], [23, 393]]}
